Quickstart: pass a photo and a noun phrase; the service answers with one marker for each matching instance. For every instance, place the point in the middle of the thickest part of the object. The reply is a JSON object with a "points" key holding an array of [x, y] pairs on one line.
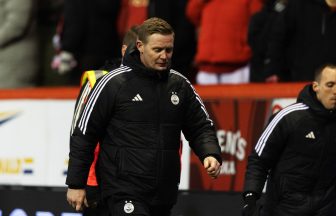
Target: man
{"points": [[303, 29], [297, 152], [137, 112]]}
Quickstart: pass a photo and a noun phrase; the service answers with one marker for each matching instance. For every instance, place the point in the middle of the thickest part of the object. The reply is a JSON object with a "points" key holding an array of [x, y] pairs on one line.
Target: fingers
{"points": [[206, 163], [78, 206], [75, 198], [212, 167]]}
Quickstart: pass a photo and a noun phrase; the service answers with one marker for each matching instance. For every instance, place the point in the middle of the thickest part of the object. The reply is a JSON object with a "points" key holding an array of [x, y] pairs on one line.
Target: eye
{"points": [[330, 84], [157, 50], [169, 50]]}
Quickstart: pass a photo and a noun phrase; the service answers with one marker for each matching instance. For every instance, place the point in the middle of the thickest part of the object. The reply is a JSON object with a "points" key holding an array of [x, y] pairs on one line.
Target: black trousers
{"points": [[127, 207], [100, 210]]}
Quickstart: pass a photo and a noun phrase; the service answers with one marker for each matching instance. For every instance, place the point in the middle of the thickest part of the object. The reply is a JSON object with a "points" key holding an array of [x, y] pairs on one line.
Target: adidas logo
{"points": [[310, 135], [137, 98]]}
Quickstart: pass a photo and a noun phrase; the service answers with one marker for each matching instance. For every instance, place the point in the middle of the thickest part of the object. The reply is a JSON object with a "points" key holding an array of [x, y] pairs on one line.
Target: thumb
{"points": [[206, 163]]}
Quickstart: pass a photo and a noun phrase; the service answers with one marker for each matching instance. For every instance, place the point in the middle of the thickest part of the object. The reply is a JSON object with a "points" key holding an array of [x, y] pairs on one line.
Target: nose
{"points": [[163, 55]]}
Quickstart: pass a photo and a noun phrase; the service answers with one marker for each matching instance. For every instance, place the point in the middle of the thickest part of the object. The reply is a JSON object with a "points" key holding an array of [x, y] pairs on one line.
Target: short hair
{"points": [[153, 25], [318, 71], [130, 36]]}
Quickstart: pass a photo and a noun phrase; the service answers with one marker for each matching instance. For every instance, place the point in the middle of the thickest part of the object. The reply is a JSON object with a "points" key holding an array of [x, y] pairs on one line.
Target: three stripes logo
{"points": [[310, 135], [137, 98]]}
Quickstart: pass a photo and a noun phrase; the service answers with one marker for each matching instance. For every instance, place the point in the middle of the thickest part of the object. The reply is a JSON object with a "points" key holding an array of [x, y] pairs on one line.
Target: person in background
{"points": [[296, 154], [88, 37], [302, 39], [223, 53], [18, 44], [137, 113], [259, 33], [89, 78]]}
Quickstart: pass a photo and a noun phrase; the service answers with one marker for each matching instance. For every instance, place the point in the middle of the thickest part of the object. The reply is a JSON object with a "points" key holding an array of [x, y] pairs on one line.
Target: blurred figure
{"points": [[222, 50], [88, 37], [259, 34], [131, 13], [18, 44], [48, 15], [173, 11], [302, 39]]}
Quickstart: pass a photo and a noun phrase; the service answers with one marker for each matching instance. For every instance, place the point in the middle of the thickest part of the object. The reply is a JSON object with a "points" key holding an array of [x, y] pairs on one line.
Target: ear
{"points": [[316, 86], [123, 50], [140, 46]]}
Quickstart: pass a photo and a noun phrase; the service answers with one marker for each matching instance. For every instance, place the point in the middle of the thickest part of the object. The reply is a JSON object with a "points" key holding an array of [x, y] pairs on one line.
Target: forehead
{"points": [[328, 75], [160, 40]]}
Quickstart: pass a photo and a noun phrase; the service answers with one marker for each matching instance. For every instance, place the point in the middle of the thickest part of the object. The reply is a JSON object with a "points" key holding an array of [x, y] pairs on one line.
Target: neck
{"points": [[331, 3]]}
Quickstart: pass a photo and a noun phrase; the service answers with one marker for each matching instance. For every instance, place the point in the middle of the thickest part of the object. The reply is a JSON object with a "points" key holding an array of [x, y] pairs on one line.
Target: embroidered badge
{"points": [[128, 207], [174, 98]]}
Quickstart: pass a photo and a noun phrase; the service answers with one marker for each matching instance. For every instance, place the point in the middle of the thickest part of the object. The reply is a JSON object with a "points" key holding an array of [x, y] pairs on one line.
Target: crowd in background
{"points": [[52, 42]]}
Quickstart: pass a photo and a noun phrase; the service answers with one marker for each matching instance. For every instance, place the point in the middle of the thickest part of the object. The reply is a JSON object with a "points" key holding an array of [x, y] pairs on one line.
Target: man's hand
{"points": [[212, 166], [76, 198], [250, 206]]}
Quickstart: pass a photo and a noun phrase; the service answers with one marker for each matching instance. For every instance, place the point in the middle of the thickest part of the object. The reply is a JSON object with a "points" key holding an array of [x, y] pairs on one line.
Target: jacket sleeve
{"points": [[198, 128], [265, 154], [89, 130]]}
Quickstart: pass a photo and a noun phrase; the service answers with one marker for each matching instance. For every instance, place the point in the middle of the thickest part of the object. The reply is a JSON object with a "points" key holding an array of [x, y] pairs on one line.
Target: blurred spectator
{"points": [[131, 13], [88, 37], [173, 11], [303, 39], [259, 33], [18, 43], [48, 15], [222, 51]]}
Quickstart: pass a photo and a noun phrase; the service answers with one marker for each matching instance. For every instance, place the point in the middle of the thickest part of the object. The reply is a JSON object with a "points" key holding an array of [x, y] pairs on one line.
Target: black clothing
{"points": [[259, 30], [137, 116], [89, 33], [173, 11], [302, 40], [137, 208], [297, 152]]}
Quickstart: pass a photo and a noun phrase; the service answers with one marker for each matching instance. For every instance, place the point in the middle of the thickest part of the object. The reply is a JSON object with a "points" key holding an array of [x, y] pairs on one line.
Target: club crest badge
{"points": [[128, 207], [174, 98]]}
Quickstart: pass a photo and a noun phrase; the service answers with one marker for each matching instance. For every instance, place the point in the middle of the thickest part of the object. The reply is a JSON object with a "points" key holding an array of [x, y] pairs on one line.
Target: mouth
{"points": [[162, 64]]}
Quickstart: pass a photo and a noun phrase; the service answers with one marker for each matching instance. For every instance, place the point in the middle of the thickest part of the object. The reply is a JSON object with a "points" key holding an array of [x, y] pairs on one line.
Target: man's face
{"points": [[157, 52], [326, 88]]}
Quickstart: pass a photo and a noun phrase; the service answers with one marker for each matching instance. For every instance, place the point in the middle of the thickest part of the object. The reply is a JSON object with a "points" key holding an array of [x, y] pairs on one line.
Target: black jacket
{"points": [[137, 115], [297, 150], [303, 39]]}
